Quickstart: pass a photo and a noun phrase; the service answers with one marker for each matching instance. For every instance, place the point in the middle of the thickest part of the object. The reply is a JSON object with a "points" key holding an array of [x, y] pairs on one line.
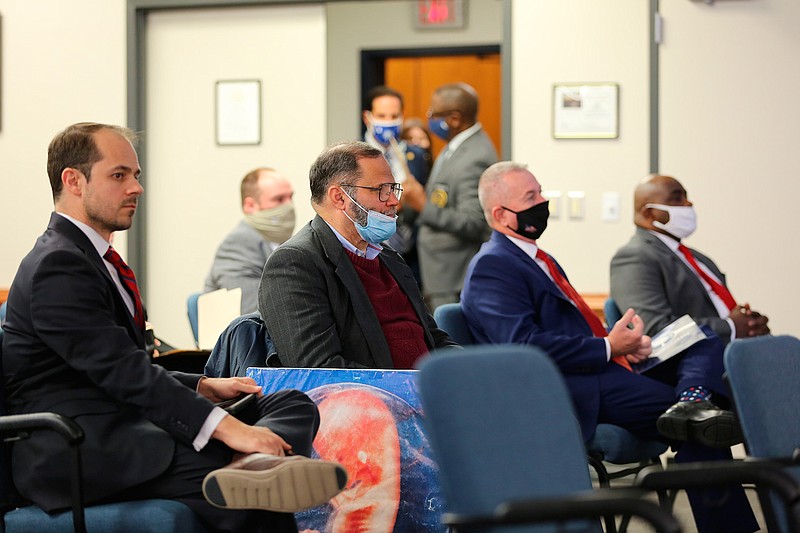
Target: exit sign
{"points": [[440, 14]]}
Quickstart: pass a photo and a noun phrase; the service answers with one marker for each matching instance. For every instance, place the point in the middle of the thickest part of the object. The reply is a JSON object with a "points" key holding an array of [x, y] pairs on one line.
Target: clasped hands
{"points": [[748, 323]]}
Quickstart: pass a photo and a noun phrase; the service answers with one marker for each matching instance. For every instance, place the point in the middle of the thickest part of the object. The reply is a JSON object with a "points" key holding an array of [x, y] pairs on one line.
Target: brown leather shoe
{"points": [[271, 483]]}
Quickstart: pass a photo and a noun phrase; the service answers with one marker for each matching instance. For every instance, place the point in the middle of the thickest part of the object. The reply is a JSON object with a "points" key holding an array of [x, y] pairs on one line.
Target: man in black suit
{"points": [[74, 344]]}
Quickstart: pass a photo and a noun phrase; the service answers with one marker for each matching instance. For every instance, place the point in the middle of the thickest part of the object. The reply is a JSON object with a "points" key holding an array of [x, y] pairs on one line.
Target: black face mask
{"points": [[532, 222]]}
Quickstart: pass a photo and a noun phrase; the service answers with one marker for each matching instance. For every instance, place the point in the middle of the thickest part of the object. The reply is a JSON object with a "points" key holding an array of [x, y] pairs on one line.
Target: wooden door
{"points": [[417, 77]]}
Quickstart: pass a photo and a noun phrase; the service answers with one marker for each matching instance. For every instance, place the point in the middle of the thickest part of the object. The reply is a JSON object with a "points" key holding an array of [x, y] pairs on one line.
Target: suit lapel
{"points": [[362, 306], [543, 281], [70, 231]]}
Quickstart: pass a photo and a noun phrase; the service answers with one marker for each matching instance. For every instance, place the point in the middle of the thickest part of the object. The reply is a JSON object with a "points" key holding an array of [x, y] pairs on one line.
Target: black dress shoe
{"points": [[701, 422]]}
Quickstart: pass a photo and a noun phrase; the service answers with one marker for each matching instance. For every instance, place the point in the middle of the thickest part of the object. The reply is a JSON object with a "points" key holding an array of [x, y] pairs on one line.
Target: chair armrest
{"points": [[66, 427], [582, 505]]}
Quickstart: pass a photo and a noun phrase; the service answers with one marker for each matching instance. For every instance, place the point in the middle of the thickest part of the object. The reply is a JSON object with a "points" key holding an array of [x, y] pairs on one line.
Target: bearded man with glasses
{"points": [[335, 295]]}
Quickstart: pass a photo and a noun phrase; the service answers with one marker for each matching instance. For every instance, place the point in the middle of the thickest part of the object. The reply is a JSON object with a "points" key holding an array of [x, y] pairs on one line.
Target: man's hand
{"points": [[413, 194], [219, 389], [249, 439], [630, 341], [748, 323]]}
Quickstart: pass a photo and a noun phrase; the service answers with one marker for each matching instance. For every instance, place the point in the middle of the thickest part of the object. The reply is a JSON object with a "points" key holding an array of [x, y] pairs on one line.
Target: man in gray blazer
{"points": [[268, 221], [452, 226], [663, 280], [335, 296]]}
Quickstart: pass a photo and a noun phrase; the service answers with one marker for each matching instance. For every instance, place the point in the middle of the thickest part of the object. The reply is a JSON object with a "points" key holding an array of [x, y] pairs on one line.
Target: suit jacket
{"points": [[507, 298], [239, 262], [651, 278], [71, 346], [317, 310], [452, 225]]}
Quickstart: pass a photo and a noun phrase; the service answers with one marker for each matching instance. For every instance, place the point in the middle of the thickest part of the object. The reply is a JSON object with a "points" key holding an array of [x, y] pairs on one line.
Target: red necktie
{"points": [[594, 323], [128, 280], [718, 288]]}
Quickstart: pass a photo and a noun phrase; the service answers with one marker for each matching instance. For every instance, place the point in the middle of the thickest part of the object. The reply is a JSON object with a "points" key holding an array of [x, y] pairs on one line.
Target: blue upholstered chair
{"points": [[611, 311], [508, 445], [191, 312], [764, 376], [143, 516], [610, 443]]}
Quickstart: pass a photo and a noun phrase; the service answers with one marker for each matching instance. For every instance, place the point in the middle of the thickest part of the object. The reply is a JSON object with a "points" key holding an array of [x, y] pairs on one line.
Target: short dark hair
{"points": [[76, 148], [338, 164], [250, 183], [377, 92]]}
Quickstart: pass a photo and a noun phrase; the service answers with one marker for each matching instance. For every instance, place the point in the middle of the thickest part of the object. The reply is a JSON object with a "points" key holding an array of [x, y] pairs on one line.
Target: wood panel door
{"points": [[417, 77]]}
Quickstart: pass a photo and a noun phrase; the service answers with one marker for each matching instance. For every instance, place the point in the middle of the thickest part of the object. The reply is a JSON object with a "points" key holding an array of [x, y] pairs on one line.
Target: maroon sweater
{"points": [[400, 324]]}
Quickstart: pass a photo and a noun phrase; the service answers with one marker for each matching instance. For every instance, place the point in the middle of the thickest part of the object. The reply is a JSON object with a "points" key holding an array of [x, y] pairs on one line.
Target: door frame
{"points": [[373, 62]]}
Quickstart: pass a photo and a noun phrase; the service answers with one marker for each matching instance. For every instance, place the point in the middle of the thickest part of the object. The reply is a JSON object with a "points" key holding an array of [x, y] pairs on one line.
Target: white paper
{"points": [[239, 112], [215, 310], [670, 341]]}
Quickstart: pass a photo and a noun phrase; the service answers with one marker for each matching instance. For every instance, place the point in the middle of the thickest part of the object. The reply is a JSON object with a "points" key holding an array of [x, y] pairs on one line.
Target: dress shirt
{"points": [[722, 309], [370, 253], [530, 250], [101, 245]]}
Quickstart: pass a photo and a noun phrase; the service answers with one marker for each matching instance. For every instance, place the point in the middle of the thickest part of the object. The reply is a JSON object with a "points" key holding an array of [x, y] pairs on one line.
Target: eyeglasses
{"points": [[430, 114], [384, 190]]}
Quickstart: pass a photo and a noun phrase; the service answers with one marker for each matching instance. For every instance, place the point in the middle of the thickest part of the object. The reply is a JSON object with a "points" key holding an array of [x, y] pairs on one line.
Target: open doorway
{"points": [[416, 73]]}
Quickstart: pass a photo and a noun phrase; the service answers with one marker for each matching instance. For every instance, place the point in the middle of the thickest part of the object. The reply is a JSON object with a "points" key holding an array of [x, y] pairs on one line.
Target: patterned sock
{"points": [[695, 394]]}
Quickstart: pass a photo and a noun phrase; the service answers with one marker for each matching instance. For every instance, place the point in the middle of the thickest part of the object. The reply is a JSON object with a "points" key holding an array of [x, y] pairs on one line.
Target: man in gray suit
{"points": [[663, 280], [268, 221], [333, 295], [452, 226]]}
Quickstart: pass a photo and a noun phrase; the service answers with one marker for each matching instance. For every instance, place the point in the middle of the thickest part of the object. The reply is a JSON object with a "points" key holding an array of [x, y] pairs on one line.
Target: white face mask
{"points": [[682, 219]]}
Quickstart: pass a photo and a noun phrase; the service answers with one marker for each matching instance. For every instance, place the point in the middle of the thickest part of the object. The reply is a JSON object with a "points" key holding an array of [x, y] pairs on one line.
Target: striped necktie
{"points": [[569, 291], [128, 280]]}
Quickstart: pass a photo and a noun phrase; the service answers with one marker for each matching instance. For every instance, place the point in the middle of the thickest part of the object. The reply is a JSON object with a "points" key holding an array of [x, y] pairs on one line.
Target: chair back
{"points": [[450, 318], [764, 376], [191, 312], [611, 311], [501, 426]]}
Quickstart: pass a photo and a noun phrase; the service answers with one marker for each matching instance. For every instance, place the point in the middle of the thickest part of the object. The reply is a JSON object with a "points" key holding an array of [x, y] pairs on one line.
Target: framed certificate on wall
{"points": [[586, 110], [238, 112]]}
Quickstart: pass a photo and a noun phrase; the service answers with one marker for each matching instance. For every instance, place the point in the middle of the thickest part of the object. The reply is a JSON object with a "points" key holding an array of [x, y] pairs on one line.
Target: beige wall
{"points": [[728, 124], [193, 183]]}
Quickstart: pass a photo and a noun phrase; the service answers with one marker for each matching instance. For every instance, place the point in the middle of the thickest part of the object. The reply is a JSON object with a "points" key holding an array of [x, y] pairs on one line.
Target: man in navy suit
{"points": [[516, 293], [74, 344]]}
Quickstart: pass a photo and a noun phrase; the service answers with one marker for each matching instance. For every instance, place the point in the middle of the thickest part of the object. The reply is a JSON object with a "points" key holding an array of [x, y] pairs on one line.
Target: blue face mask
{"points": [[439, 127], [379, 227], [385, 131]]}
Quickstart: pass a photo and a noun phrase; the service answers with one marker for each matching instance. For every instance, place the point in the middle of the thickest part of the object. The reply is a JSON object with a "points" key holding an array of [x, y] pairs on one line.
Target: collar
{"points": [[370, 253], [671, 243], [459, 139], [99, 243], [530, 249]]}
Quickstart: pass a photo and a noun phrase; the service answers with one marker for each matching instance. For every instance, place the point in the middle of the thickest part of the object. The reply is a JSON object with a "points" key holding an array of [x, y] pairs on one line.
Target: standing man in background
{"points": [[383, 117], [268, 221], [452, 226]]}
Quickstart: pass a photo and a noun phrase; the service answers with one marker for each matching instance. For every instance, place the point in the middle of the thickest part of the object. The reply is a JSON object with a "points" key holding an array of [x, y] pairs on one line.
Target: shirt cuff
{"points": [[608, 349], [209, 426]]}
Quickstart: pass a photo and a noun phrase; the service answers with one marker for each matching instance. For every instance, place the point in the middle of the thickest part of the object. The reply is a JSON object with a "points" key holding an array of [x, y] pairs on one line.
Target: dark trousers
{"points": [[289, 413], [636, 401]]}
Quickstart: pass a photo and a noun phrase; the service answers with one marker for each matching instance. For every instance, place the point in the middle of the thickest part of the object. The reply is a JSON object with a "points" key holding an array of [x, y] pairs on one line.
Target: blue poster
{"points": [[371, 423]]}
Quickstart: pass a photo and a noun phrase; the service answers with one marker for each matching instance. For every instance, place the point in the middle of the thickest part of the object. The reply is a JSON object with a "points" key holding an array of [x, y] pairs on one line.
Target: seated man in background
{"points": [[516, 293], [332, 295], [268, 221], [74, 344], [663, 279]]}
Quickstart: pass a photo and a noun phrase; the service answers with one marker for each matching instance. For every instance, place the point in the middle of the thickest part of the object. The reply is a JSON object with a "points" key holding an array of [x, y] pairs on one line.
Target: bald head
{"points": [[506, 189], [656, 189], [459, 97]]}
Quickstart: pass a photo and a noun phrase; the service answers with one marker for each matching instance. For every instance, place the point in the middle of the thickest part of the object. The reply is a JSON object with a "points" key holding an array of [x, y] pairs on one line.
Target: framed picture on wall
{"points": [[586, 110], [238, 112]]}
